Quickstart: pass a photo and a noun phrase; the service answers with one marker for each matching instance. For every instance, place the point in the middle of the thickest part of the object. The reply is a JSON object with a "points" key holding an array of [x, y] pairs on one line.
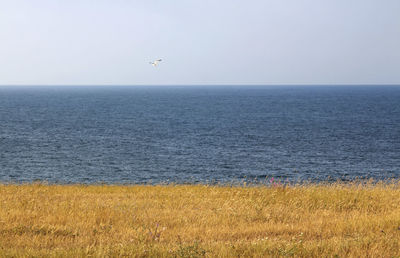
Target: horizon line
{"points": [[217, 84]]}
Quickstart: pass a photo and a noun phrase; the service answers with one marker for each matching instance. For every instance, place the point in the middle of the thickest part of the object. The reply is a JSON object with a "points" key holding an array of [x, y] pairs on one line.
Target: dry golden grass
{"points": [[356, 220]]}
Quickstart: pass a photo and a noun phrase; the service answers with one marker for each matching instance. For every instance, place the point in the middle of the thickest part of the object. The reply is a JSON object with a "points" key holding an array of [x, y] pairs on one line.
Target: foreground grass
{"points": [[196, 220]]}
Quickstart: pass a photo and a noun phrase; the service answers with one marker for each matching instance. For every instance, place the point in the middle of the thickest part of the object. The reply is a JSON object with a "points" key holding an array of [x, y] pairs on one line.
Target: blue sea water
{"points": [[198, 134]]}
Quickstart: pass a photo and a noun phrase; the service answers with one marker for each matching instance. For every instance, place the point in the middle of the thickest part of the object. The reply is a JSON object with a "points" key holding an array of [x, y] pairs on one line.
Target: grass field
{"points": [[354, 219]]}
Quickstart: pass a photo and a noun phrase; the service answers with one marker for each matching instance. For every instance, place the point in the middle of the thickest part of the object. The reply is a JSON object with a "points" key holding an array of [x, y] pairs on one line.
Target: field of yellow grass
{"points": [[355, 219]]}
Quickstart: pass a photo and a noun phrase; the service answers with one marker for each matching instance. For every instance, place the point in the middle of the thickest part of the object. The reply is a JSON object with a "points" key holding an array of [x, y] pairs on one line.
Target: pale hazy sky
{"points": [[200, 41]]}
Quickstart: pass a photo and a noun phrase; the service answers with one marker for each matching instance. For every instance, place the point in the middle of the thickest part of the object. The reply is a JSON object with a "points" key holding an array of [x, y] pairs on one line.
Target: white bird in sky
{"points": [[155, 63]]}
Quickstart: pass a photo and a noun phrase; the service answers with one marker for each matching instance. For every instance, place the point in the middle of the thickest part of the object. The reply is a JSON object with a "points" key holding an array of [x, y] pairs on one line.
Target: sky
{"points": [[111, 42]]}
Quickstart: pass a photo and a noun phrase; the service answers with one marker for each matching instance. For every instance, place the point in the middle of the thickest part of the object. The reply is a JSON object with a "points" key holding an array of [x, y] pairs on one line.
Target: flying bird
{"points": [[155, 63]]}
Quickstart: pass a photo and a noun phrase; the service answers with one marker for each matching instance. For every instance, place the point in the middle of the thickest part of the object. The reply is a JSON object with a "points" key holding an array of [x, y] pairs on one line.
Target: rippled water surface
{"points": [[198, 134]]}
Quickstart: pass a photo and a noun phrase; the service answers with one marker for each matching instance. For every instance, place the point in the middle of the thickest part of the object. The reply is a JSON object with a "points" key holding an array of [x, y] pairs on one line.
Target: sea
{"points": [[198, 134]]}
